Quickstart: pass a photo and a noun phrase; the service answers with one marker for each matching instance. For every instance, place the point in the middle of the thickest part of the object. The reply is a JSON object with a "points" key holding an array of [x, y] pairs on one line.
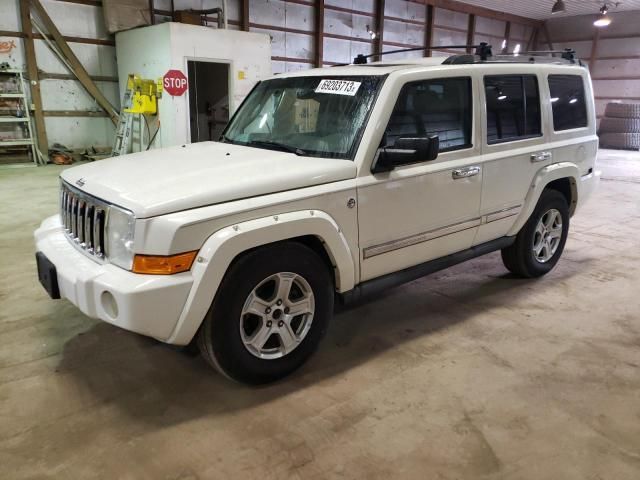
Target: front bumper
{"points": [[146, 304]]}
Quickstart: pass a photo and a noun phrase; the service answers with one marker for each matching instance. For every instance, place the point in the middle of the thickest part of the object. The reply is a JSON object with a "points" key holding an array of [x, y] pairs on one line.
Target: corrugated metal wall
{"points": [[613, 53], [292, 26]]}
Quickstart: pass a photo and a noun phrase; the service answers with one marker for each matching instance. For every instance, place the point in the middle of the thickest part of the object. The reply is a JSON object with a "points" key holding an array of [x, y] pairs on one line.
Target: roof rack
{"points": [[567, 56], [483, 50]]}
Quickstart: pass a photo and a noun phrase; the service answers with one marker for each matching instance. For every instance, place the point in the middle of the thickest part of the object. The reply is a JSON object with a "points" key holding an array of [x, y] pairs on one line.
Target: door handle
{"points": [[465, 172], [541, 156]]}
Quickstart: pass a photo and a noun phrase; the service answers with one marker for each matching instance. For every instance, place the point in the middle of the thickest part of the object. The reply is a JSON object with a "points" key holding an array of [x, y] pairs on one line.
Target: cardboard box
{"points": [[122, 15]]}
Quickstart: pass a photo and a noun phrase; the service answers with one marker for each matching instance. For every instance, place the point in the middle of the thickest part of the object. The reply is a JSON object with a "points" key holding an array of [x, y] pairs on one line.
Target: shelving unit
{"points": [[19, 115]]}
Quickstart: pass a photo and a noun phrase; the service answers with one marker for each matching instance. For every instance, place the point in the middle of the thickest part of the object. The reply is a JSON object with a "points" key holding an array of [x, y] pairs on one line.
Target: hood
{"points": [[178, 178]]}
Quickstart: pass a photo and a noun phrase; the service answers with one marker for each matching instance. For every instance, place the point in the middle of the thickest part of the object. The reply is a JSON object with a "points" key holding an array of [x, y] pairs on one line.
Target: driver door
{"points": [[423, 210]]}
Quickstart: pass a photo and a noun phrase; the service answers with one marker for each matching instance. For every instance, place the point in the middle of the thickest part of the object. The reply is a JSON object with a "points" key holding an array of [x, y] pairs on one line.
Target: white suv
{"points": [[328, 185]]}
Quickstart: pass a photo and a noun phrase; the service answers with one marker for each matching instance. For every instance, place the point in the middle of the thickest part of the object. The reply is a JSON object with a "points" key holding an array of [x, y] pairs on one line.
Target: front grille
{"points": [[84, 218]]}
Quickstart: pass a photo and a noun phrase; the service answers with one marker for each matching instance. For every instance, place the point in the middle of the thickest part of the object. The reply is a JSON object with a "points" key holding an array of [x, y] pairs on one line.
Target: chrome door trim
{"points": [[420, 238], [500, 214]]}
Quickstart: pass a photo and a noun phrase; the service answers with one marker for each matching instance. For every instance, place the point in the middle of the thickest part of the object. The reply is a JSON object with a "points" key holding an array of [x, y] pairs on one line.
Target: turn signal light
{"points": [[163, 265]]}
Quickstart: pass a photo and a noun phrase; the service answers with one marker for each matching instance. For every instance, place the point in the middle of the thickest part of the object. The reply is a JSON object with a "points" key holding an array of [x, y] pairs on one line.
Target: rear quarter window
{"points": [[568, 102]]}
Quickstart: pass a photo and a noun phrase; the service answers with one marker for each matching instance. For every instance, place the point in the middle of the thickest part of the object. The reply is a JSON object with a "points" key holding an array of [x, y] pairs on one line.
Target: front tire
{"points": [[540, 242], [271, 311]]}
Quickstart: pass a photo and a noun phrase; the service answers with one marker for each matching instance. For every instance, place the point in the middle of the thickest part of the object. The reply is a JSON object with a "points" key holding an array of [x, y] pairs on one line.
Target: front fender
{"points": [[221, 248], [544, 176]]}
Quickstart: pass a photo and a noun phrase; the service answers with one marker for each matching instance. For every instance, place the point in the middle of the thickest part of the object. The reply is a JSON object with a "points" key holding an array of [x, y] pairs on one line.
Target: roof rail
{"points": [[567, 56], [483, 50]]}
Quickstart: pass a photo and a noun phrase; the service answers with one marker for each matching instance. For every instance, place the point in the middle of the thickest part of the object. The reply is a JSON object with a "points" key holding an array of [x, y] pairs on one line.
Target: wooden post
{"points": [[244, 15], [507, 34], [545, 30], [34, 81], [378, 48], [76, 67], [471, 32], [428, 30], [594, 51], [152, 15], [319, 37]]}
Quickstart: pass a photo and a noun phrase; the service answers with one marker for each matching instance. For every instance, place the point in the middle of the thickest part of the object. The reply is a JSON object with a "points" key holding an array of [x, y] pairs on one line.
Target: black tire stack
{"points": [[620, 127]]}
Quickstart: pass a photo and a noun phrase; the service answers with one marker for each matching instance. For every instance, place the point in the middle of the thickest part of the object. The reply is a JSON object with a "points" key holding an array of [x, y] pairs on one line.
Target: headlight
{"points": [[120, 230]]}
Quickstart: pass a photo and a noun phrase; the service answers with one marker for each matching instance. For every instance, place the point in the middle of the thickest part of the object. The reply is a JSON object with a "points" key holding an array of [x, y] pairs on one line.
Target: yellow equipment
{"points": [[145, 94]]}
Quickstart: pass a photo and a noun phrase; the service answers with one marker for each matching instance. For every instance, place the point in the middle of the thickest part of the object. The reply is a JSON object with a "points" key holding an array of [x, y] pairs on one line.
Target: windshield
{"points": [[314, 116]]}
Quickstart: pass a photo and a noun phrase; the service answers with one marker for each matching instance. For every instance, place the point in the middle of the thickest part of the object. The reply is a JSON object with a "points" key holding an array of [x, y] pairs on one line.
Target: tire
{"points": [[241, 336], [622, 110], [620, 125], [629, 141], [520, 258]]}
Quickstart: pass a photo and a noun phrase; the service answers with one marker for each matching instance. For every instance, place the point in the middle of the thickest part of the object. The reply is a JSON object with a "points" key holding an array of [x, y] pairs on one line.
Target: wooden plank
{"points": [[349, 10], [545, 30], [77, 68], [37, 36], [292, 59], [152, 13], [404, 20], [244, 15], [319, 34], [347, 37], [75, 113], [428, 30], [379, 27], [281, 29], [471, 32], [459, 6], [34, 81], [67, 76], [92, 3]]}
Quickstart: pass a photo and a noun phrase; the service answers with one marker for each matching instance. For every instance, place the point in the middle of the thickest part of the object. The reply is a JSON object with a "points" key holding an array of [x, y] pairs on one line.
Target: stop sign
{"points": [[174, 83]]}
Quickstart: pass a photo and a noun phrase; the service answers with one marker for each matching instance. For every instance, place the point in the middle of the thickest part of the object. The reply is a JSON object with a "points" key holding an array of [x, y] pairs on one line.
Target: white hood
{"points": [[178, 178]]}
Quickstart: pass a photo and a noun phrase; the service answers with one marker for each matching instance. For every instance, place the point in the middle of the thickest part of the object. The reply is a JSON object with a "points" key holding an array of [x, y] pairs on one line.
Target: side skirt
{"points": [[390, 280]]}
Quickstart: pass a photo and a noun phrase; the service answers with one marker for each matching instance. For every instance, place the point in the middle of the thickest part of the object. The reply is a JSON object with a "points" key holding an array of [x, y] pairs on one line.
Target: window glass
{"points": [[567, 102], [513, 107], [433, 107], [310, 116]]}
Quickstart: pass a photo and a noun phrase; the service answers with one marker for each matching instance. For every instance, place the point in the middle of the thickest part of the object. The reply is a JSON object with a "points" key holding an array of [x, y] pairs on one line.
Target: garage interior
{"points": [[467, 373]]}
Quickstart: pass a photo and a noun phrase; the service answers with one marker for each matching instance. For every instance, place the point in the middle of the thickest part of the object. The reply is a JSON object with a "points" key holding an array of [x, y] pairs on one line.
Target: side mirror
{"points": [[407, 150]]}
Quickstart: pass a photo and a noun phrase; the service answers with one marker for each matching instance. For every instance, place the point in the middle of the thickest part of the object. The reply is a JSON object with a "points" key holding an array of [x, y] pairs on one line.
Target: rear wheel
{"points": [[269, 315], [540, 243]]}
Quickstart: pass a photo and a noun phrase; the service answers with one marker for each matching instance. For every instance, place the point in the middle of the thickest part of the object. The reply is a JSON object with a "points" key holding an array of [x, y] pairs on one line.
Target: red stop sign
{"points": [[174, 83]]}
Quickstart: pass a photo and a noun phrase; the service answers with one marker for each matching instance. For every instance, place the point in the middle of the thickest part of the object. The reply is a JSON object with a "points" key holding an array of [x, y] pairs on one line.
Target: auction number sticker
{"points": [[338, 87]]}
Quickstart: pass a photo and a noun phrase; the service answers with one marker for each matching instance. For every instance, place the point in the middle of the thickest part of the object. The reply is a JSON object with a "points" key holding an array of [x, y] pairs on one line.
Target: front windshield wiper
{"points": [[276, 145]]}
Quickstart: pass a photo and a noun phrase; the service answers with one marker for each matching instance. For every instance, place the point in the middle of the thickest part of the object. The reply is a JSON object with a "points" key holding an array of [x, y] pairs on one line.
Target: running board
{"points": [[390, 280]]}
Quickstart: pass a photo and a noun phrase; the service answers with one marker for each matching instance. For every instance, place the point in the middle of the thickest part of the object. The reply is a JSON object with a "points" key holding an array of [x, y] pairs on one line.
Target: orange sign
{"points": [[6, 47]]}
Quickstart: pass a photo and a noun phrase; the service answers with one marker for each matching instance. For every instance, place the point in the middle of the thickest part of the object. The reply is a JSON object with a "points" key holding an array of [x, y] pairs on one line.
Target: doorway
{"points": [[208, 99]]}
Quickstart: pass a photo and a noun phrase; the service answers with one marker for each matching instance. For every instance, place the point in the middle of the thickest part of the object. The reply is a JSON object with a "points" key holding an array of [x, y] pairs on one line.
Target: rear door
{"points": [[513, 147]]}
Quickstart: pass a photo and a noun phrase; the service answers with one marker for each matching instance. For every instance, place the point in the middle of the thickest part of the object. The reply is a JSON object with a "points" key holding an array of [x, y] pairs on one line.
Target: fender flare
{"points": [[221, 248], [544, 176]]}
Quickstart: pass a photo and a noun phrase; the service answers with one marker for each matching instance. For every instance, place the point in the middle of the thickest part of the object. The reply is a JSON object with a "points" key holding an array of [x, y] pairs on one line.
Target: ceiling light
{"points": [[558, 7], [604, 20]]}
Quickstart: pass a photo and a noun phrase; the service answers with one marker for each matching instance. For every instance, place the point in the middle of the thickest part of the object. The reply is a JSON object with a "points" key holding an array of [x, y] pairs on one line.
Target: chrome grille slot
{"points": [[84, 220]]}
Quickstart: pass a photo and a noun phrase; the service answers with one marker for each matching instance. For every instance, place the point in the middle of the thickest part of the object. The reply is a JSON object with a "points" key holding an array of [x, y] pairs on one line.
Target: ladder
{"points": [[124, 129], [22, 115]]}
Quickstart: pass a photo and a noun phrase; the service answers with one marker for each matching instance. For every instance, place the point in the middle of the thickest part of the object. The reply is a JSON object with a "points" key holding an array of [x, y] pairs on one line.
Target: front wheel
{"points": [[540, 242], [269, 315]]}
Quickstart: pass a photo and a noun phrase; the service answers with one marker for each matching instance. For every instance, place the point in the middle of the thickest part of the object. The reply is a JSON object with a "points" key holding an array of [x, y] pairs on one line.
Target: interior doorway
{"points": [[208, 99]]}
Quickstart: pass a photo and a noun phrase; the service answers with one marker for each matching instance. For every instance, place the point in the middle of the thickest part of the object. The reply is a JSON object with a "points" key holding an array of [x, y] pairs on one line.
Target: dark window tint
{"points": [[433, 107], [567, 102], [513, 107]]}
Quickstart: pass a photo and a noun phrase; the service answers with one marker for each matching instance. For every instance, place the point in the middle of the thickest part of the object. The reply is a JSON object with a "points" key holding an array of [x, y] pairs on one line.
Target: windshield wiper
{"points": [[278, 146]]}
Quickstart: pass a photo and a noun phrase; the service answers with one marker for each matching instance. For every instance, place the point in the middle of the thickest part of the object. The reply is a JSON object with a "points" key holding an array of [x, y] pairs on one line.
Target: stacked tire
{"points": [[620, 127]]}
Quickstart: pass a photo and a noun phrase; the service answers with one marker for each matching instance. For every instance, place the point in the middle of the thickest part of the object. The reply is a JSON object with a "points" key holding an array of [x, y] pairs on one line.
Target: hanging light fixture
{"points": [[558, 7], [603, 20]]}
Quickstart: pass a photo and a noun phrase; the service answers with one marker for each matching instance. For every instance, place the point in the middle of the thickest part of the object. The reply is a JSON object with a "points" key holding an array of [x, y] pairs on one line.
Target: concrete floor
{"points": [[467, 374]]}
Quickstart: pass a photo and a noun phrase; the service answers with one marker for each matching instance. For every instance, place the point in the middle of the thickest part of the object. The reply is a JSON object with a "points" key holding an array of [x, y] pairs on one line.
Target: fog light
{"points": [[109, 304], [163, 265]]}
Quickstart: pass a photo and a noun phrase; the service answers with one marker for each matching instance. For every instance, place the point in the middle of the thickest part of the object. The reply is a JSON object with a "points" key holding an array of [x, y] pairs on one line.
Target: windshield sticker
{"points": [[338, 87]]}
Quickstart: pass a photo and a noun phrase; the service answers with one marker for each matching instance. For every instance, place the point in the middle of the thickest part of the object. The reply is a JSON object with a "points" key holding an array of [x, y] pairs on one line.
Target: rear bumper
{"points": [[588, 184], [146, 304]]}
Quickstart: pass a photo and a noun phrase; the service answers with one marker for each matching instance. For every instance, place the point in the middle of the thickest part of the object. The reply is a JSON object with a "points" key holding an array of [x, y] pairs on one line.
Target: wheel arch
{"points": [[315, 229], [562, 177]]}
